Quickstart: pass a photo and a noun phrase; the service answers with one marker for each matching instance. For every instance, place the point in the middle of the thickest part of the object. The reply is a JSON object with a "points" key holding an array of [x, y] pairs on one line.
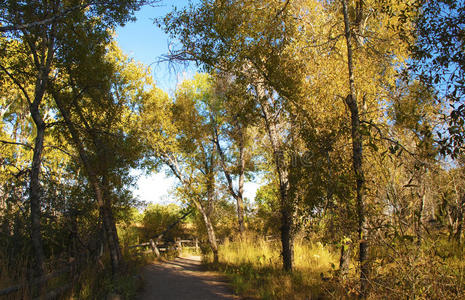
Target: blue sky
{"points": [[143, 41], [146, 43]]}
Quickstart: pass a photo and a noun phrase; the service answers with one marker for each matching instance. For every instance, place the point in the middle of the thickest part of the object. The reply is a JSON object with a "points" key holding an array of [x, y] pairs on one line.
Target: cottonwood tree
{"points": [[256, 56], [36, 46], [100, 114], [234, 115], [357, 152], [180, 135], [355, 38]]}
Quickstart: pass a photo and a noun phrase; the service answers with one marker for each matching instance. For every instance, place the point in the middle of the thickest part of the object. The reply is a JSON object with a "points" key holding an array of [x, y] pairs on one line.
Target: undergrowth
{"points": [[186, 251], [254, 268], [99, 283], [95, 280], [433, 270]]}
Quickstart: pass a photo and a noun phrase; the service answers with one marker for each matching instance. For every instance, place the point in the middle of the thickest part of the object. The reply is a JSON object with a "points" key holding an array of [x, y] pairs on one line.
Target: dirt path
{"points": [[183, 278]]}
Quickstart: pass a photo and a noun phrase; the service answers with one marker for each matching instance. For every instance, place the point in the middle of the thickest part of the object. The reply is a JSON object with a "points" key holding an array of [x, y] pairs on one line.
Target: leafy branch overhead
{"points": [[324, 138]]}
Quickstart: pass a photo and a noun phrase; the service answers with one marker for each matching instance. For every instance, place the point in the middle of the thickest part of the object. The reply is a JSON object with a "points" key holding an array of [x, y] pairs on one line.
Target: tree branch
{"points": [[20, 86], [282, 9], [223, 163], [47, 21], [16, 143], [60, 149]]}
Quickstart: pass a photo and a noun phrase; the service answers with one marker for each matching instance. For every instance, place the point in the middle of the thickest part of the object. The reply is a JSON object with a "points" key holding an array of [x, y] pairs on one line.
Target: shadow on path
{"points": [[183, 278]]}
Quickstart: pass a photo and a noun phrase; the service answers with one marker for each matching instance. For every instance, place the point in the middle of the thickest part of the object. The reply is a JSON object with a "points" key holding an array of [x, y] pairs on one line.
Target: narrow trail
{"points": [[183, 278]]}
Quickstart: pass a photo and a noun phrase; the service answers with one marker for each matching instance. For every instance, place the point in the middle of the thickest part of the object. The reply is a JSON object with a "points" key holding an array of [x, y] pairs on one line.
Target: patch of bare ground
{"points": [[183, 278]]}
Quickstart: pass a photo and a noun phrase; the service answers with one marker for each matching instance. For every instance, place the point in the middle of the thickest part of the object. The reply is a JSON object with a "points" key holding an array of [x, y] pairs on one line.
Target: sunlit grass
{"points": [[187, 251], [254, 267]]}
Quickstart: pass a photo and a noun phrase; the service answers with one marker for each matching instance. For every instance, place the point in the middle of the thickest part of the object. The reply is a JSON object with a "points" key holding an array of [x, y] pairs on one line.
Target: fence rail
{"points": [[41, 280], [157, 247], [153, 243]]}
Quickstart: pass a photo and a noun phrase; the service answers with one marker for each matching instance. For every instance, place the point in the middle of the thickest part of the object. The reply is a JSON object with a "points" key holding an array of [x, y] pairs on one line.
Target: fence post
{"points": [[178, 243], [154, 248], [196, 244]]}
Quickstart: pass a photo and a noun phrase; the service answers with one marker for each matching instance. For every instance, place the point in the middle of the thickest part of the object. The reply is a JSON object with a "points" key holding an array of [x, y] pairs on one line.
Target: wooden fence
{"points": [[156, 247], [41, 281], [154, 244]]}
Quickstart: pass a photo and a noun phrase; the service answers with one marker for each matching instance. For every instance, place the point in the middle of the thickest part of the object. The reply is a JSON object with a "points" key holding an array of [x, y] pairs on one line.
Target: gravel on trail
{"points": [[183, 278]]}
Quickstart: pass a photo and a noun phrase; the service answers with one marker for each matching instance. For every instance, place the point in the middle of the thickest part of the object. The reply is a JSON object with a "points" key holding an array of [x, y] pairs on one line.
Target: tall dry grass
{"points": [[434, 270], [255, 268], [13, 275]]}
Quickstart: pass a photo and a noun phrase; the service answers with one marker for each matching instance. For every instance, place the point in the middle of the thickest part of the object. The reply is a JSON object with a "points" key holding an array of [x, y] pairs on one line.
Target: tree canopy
{"points": [[348, 115]]}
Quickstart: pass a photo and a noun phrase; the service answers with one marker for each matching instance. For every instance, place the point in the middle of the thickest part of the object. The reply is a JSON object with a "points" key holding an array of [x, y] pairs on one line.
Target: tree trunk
{"points": [[74, 233], [210, 199], [210, 230], [419, 217], [110, 228], [5, 226], [240, 215], [239, 198], [34, 184], [237, 195], [112, 238], [287, 238], [281, 169], [459, 219], [104, 206], [344, 259], [357, 159], [35, 193], [460, 203], [43, 70], [204, 211]]}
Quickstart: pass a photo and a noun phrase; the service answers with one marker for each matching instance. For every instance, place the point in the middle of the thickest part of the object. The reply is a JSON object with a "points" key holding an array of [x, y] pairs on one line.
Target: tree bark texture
{"points": [[240, 193], [344, 259], [110, 228], [357, 158], [34, 184], [460, 203], [35, 193], [419, 216], [210, 230], [286, 206], [43, 66], [210, 199], [104, 205]]}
